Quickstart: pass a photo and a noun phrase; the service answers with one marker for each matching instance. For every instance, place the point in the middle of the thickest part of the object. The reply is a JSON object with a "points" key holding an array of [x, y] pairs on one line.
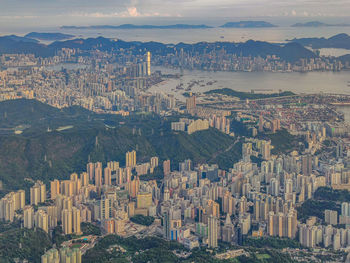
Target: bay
{"points": [[310, 82]]}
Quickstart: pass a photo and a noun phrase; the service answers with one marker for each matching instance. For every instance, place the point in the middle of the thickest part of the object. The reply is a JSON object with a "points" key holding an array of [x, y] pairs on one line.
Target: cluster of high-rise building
{"points": [[199, 204], [190, 125], [223, 60], [63, 255], [107, 84]]}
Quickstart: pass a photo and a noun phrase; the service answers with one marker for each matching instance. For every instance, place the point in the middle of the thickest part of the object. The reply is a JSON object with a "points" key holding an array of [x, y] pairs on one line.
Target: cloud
{"points": [[132, 11], [129, 13], [104, 9]]}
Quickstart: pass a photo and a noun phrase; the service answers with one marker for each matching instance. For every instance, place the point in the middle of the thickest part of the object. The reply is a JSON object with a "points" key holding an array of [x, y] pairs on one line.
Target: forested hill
{"points": [[76, 136]]}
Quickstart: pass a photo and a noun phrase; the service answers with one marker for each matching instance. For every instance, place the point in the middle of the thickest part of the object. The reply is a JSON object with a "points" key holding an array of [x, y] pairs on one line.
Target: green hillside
{"points": [[23, 244], [38, 154]]}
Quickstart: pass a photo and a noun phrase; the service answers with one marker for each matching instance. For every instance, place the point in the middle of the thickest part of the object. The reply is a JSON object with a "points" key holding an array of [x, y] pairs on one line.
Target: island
{"points": [[48, 36], [317, 24], [337, 41], [131, 26], [247, 24]]}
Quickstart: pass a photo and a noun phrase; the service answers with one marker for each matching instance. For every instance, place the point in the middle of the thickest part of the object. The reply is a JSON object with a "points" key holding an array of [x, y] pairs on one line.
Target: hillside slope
{"points": [[38, 154]]}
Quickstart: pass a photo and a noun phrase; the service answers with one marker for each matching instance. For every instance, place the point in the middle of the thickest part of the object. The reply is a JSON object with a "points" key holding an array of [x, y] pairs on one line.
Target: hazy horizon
{"points": [[39, 13]]}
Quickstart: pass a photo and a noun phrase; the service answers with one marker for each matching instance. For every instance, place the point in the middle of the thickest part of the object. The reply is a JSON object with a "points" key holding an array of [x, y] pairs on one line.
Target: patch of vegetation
{"points": [[327, 193], [6, 226], [266, 256], [23, 244], [282, 141], [239, 128], [228, 156], [149, 249], [248, 95], [315, 208], [156, 175], [90, 229], [271, 242], [142, 220]]}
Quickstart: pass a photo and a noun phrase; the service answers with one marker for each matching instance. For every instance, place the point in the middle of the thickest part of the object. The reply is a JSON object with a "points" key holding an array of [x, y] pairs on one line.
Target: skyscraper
{"points": [[90, 168], [212, 232], [306, 164], [55, 188], [28, 214], [191, 103], [148, 63], [130, 159], [261, 123], [76, 221], [107, 176], [98, 174], [166, 225], [42, 220], [166, 167], [227, 230], [266, 150], [37, 193], [67, 224]]}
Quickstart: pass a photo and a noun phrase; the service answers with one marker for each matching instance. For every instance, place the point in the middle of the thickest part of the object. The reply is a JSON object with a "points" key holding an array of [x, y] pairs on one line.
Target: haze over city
{"points": [[63, 12]]}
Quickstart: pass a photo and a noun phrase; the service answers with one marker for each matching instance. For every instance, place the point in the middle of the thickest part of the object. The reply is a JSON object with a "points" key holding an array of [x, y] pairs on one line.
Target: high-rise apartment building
{"points": [[107, 176], [98, 174], [130, 159], [28, 216], [67, 222], [212, 232], [191, 103], [38, 193], [144, 200], [306, 165], [41, 220], [54, 188], [166, 167]]}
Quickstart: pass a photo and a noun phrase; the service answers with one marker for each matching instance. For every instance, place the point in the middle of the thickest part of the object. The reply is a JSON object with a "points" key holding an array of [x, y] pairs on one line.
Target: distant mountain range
{"points": [[248, 24], [289, 52], [14, 44], [317, 24], [48, 36], [240, 24], [337, 41], [131, 26]]}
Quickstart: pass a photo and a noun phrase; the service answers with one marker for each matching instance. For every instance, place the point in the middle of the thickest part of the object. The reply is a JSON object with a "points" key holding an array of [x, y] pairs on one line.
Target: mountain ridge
{"points": [[132, 26], [317, 24], [48, 36], [338, 41], [248, 24], [248, 48]]}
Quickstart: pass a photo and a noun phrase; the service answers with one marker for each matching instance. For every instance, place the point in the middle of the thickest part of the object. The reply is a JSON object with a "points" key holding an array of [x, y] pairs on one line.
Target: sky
{"points": [[88, 12]]}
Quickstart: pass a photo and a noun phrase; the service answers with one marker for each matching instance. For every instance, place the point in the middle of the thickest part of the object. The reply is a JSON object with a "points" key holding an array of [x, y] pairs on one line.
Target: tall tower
{"points": [[108, 176], [148, 63], [166, 225], [212, 231]]}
